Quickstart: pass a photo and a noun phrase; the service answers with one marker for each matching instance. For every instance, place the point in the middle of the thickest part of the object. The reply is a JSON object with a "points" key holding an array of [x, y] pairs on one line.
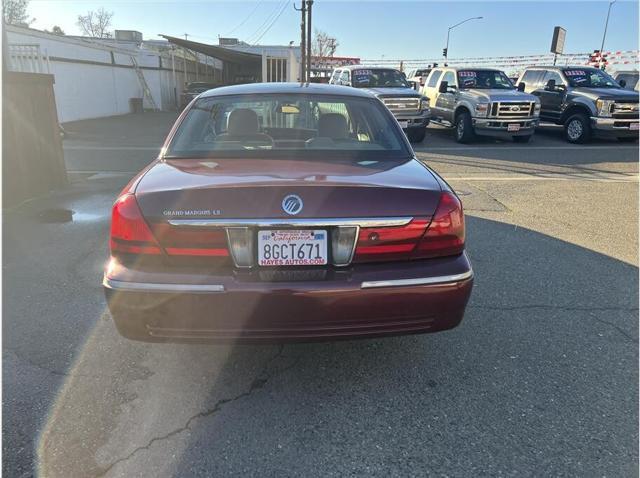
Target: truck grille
{"points": [[626, 109], [512, 109], [402, 105]]}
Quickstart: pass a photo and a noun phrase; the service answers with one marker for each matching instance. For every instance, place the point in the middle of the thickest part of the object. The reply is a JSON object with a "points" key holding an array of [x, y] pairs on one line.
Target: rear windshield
{"points": [[378, 78], [484, 80], [288, 125], [630, 78], [589, 78]]}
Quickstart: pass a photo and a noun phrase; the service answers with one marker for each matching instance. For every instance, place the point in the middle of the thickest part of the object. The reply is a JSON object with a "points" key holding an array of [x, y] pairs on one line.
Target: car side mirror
{"points": [[551, 85], [521, 86], [622, 83], [444, 86]]}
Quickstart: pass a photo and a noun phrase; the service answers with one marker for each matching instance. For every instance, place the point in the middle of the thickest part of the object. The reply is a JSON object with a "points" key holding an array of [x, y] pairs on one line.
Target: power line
{"points": [[282, 9], [260, 30], [245, 20]]}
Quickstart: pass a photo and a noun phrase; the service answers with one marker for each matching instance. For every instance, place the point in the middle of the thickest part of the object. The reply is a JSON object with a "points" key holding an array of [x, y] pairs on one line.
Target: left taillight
{"points": [[130, 233]]}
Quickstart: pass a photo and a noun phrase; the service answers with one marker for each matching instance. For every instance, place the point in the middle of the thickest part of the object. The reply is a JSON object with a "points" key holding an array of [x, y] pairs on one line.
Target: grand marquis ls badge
{"points": [[292, 204]]}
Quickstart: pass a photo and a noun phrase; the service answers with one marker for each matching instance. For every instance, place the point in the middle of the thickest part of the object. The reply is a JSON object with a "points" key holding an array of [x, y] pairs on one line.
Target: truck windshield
{"points": [[589, 78], [378, 78], [484, 80]]}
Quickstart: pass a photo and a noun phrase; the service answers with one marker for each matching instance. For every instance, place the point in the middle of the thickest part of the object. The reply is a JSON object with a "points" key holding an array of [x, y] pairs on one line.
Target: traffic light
{"points": [[444, 52]]}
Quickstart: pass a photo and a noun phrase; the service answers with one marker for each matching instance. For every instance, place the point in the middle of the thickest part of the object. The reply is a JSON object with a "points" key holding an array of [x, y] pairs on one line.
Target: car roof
{"points": [[456, 68], [287, 88], [361, 67], [558, 68]]}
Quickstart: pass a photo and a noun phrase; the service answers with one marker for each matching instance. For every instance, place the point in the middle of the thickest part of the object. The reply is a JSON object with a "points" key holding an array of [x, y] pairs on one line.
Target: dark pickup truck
{"points": [[585, 100]]}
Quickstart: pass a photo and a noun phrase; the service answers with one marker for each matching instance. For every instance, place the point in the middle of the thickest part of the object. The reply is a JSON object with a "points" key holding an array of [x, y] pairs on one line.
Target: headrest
{"points": [[333, 125], [242, 121]]}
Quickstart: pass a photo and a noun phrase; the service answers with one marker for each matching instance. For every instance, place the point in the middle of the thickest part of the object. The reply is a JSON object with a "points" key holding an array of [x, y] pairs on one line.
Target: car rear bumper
{"points": [[500, 127], [620, 128], [369, 300]]}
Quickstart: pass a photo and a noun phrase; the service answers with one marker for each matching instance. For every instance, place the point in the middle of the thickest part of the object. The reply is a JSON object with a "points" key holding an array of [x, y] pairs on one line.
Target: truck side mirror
{"points": [[444, 85], [551, 85], [622, 83], [521, 86]]}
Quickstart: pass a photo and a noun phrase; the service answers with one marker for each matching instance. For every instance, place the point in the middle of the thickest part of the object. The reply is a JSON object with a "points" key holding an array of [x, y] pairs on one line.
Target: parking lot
{"points": [[540, 379]]}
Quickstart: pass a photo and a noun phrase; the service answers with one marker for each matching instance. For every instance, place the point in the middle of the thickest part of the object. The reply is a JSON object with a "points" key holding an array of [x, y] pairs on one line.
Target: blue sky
{"points": [[372, 29]]}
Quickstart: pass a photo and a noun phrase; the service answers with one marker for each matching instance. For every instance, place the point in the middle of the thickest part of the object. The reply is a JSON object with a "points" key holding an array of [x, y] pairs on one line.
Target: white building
{"points": [[97, 77]]}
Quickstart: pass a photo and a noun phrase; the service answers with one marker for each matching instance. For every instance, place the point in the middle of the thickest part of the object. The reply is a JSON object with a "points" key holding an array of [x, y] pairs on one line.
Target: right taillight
{"points": [[130, 233], [376, 244], [445, 234]]}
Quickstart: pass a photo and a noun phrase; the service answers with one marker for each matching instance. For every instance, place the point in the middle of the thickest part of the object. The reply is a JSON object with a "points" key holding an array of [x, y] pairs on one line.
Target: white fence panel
{"points": [[27, 58]]}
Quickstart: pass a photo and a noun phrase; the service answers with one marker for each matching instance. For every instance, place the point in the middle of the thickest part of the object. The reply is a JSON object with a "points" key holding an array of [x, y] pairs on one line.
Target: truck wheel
{"points": [[522, 139], [416, 135], [577, 128], [464, 128]]}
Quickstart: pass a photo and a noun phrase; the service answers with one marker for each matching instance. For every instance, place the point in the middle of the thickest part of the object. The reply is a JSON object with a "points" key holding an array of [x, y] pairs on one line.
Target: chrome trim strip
{"points": [[288, 222], [153, 287], [418, 281]]}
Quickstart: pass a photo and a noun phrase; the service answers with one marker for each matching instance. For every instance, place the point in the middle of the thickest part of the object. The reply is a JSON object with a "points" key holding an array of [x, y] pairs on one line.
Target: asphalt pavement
{"points": [[540, 379]]}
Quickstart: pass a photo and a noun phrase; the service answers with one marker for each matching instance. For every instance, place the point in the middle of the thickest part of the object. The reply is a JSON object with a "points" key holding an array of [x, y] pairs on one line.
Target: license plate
{"points": [[513, 127], [634, 126], [292, 247], [403, 124]]}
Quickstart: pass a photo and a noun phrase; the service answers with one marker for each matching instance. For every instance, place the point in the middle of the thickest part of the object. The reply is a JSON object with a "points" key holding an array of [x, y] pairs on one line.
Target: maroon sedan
{"points": [[286, 212]]}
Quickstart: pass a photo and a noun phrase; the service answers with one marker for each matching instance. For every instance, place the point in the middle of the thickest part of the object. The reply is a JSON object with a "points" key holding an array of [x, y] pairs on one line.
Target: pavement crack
{"points": [[20, 358], [547, 306], [506, 208], [257, 383], [619, 329], [568, 309]]}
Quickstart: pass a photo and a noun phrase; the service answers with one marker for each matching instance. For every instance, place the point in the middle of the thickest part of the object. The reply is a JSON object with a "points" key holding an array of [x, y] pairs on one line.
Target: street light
{"points": [[606, 24], [446, 49]]}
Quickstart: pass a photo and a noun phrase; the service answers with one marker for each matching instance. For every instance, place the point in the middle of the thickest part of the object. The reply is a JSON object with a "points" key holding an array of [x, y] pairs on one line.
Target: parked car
{"points": [[194, 89], [390, 86], [627, 79], [585, 101], [417, 77], [279, 211], [480, 101]]}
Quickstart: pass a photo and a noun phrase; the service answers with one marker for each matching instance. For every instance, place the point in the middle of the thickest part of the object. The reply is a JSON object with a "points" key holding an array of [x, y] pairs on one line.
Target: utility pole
{"points": [[606, 25], [303, 45], [309, 40]]}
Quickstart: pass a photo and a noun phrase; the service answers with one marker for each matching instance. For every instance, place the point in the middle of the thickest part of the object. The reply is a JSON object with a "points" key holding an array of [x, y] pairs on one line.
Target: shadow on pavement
{"points": [[540, 379]]}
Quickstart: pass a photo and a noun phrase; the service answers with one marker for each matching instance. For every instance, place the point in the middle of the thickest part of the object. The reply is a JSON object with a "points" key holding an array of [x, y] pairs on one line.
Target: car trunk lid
{"points": [[238, 188]]}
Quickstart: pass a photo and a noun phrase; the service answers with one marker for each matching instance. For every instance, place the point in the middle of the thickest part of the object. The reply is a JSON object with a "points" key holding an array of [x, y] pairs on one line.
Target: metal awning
{"points": [[221, 53]]}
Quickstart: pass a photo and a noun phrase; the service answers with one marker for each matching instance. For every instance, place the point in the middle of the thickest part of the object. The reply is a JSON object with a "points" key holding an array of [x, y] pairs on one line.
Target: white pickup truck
{"points": [[409, 107], [481, 101]]}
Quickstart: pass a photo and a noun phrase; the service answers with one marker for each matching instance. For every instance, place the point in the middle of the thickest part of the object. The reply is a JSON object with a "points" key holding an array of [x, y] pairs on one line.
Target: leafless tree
{"points": [[14, 12], [96, 23], [323, 45]]}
